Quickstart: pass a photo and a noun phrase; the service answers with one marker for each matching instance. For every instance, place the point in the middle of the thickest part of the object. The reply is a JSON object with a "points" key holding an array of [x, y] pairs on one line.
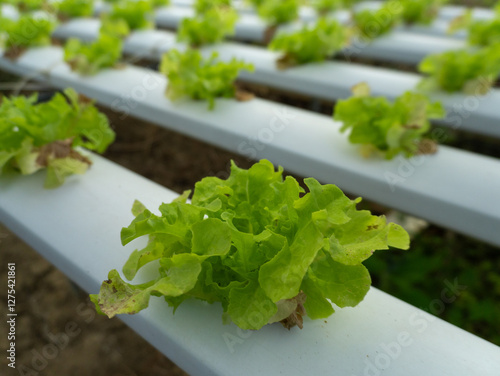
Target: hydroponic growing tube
{"points": [[306, 143]]}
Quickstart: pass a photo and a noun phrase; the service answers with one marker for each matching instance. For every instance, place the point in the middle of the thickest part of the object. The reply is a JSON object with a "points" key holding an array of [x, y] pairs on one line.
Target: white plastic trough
{"points": [[380, 335], [452, 188], [330, 80]]}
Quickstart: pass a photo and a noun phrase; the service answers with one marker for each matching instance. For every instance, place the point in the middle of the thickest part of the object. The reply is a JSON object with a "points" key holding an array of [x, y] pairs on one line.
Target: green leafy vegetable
{"points": [[462, 70], [27, 5], [27, 31], [420, 11], [74, 8], [389, 128], [117, 28], [35, 136], [210, 27], [277, 12], [310, 44], [484, 33], [480, 33], [324, 7], [371, 24], [190, 75], [202, 6], [258, 244], [89, 58], [138, 14]]}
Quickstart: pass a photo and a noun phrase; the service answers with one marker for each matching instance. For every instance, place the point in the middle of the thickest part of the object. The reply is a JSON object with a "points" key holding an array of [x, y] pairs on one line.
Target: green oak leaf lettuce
{"points": [[470, 71], [89, 58], [420, 11], [310, 44], [27, 31], [370, 24], [278, 12], [259, 244], [388, 127], [189, 75], [212, 26], [67, 9], [138, 14], [36, 136]]}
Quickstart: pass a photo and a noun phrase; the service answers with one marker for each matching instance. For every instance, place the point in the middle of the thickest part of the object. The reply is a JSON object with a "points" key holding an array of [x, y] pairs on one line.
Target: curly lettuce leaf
{"points": [[257, 243], [420, 11], [310, 44], [189, 75], [388, 127], [471, 71], [371, 24], [212, 26], [203, 6], [35, 136], [277, 12], [89, 58], [74, 8], [27, 31], [138, 14]]}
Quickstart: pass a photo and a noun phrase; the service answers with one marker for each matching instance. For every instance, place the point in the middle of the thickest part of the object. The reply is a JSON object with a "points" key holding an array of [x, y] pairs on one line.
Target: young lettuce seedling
{"points": [[189, 75], [420, 11], [138, 14], [27, 5], [324, 7], [67, 9], [311, 44], [259, 244], [89, 58], [472, 72], [371, 24], [202, 6], [388, 128], [16, 40], [275, 13], [37, 136], [479, 33], [210, 27]]}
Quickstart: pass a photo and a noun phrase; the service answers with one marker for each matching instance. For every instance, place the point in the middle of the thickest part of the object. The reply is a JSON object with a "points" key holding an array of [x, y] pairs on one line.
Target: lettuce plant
{"points": [[27, 5], [479, 33], [259, 244], [89, 58], [153, 3], [420, 11], [138, 14], [389, 128], [117, 28], [208, 28], [277, 12], [371, 24], [484, 33], [67, 9], [27, 31], [202, 6], [189, 75], [324, 7], [462, 70], [37, 136], [310, 44]]}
